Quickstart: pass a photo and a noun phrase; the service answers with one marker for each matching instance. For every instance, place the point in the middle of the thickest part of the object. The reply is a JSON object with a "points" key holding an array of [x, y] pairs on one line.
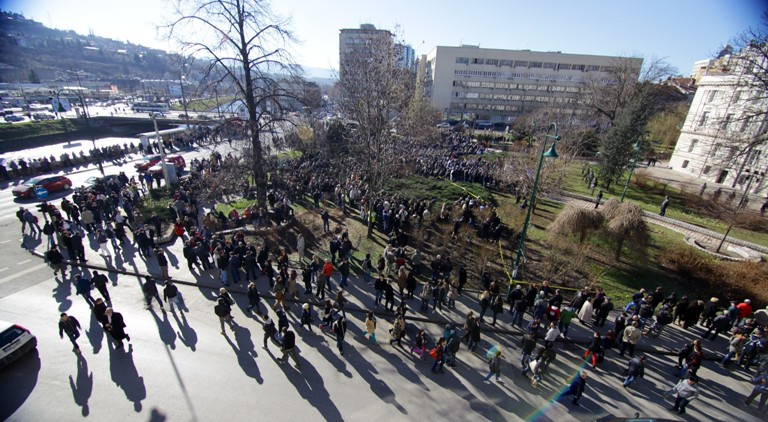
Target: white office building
{"points": [[485, 84], [721, 123]]}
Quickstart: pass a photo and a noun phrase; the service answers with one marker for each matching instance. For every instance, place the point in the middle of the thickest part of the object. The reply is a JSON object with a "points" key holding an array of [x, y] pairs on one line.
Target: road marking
{"points": [[5, 241], [22, 273], [23, 262], [3, 269]]}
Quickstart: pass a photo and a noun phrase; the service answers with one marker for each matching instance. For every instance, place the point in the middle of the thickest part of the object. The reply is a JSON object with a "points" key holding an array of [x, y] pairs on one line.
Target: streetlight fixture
{"points": [[637, 147], [79, 96], [551, 153]]}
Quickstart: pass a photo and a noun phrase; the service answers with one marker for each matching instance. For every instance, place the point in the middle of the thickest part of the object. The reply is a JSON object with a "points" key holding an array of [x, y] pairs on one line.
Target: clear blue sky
{"points": [[680, 31]]}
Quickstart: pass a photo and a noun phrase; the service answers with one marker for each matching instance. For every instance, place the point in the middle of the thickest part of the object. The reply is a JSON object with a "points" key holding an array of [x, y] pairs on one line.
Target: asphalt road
{"points": [[181, 368]]}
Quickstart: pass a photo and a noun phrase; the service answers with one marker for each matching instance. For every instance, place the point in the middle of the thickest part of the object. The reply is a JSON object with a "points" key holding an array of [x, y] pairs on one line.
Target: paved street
{"points": [[181, 368]]}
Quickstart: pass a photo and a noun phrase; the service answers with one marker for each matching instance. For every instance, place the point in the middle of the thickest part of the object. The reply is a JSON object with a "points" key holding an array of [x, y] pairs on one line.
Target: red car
{"points": [[146, 162], [177, 161], [50, 183]]}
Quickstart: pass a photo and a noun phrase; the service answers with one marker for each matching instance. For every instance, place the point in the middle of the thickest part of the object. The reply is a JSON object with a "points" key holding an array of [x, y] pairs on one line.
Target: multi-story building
{"points": [[405, 57], [469, 82], [720, 139], [364, 44]]}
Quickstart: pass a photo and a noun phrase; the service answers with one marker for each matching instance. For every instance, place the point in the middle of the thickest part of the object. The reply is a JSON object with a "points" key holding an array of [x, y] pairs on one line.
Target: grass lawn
{"points": [[649, 198]]}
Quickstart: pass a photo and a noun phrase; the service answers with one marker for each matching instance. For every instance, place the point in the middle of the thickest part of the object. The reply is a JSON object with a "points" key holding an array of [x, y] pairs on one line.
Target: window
{"points": [[564, 66], [578, 67], [535, 64], [550, 66], [711, 96], [736, 96], [726, 121], [704, 118], [716, 149], [506, 63], [745, 124], [707, 169], [494, 62], [685, 164], [477, 61], [593, 68], [462, 60], [519, 63], [693, 145]]}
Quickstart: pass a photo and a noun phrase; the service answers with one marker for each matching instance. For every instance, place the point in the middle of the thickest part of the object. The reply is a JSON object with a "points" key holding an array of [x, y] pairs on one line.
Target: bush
{"points": [[709, 276], [157, 201]]}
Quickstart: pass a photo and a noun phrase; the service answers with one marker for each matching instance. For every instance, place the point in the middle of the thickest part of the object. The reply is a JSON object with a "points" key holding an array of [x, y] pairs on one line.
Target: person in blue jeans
{"points": [[494, 367], [378, 286], [635, 370], [438, 355]]}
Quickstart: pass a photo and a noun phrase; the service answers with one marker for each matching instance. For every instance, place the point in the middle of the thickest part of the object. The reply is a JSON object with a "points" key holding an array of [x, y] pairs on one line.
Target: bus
{"points": [[146, 107]]}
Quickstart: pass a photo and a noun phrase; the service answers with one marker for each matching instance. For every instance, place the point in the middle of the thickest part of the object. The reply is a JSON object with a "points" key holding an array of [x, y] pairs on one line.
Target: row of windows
{"points": [[513, 86], [519, 75], [542, 65], [510, 108], [525, 98], [725, 123]]}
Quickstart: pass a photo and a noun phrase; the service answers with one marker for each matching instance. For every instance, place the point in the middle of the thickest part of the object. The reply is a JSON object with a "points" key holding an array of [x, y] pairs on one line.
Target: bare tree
{"points": [[373, 93], [247, 44], [577, 220]]}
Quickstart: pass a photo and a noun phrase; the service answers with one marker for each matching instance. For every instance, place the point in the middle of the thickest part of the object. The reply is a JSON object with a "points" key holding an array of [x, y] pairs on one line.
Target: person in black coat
{"points": [[602, 313], [253, 297], [115, 326], [576, 389]]}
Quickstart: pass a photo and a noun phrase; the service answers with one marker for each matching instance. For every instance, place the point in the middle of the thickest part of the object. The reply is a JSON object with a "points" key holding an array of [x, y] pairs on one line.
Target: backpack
{"points": [[220, 309]]}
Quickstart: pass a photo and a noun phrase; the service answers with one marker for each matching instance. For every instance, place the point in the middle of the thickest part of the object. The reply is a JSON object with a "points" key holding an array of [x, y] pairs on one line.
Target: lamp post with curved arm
{"points": [[551, 153]]}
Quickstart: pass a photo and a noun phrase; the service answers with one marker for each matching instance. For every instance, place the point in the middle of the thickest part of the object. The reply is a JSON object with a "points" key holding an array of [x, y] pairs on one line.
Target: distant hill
{"points": [[31, 52]]}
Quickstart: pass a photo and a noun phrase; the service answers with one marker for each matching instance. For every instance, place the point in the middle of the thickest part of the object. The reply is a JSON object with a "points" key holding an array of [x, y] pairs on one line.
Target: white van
{"points": [[15, 342]]}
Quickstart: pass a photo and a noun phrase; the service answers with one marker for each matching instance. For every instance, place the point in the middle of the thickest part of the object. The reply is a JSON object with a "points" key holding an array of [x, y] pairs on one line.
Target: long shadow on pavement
{"points": [[245, 352]]}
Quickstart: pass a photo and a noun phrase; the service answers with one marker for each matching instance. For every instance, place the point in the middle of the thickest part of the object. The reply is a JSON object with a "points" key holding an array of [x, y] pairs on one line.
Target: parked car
{"points": [[50, 183], [444, 125], [146, 162], [96, 180], [15, 342], [43, 116], [177, 161], [14, 118]]}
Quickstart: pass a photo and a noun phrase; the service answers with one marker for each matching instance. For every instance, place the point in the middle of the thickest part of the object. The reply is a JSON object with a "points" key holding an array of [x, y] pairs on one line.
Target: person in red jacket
{"points": [[745, 309], [328, 272]]}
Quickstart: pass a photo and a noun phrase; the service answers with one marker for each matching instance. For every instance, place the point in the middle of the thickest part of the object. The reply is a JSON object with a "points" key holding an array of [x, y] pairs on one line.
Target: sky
{"points": [[678, 31]]}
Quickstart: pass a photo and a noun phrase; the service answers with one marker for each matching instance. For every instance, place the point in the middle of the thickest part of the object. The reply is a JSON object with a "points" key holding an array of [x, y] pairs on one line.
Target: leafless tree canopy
{"points": [[245, 45]]}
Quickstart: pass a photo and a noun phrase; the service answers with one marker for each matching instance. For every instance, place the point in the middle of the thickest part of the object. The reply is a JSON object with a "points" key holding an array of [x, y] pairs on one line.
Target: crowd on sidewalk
{"points": [[399, 278]]}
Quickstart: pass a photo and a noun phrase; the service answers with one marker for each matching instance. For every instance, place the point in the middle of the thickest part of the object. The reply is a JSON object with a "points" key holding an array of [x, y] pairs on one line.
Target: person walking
{"points": [[100, 282], [528, 345], [71, 326], [101, 237], [254, 298], [56, 261], [420, 344], [83, 288], [629, 339], [576, 389], [370, 326], [594, 348], [115, 326], [599, 198], [150, 291], [761, 389], [635, 370], [664, 206], [397, 332], [497, 307], [222, 309], [340, 329], [685, 391], [494, 367], [288, 347], [171, 295], [269, 330], [162, 262], [306, 316], [438, 355], [300, 247]]}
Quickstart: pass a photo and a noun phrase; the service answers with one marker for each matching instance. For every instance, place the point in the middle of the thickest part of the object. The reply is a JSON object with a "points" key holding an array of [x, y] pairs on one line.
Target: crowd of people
{"points": [[398, 278]]}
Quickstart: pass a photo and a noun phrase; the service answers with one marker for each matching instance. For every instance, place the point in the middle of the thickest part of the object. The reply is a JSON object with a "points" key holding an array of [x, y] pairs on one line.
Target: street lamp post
{"points": [[551, 153], [162, 150], [87, 121], [637, 147], [183, 99]]}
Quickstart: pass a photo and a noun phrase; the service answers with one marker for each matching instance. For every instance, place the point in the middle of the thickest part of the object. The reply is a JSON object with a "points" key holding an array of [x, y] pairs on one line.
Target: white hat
{"points": [[305, 306], [747, 301]]}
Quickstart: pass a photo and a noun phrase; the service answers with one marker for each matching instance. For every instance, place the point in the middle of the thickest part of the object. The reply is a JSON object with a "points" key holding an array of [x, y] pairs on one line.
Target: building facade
{"points": [[722, 123], [364, 44], [469, 82]]}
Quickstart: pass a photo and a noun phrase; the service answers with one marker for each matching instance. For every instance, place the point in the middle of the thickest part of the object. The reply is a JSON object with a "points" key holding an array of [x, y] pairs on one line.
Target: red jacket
{"points": [[328, 269], [745, 309]]}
